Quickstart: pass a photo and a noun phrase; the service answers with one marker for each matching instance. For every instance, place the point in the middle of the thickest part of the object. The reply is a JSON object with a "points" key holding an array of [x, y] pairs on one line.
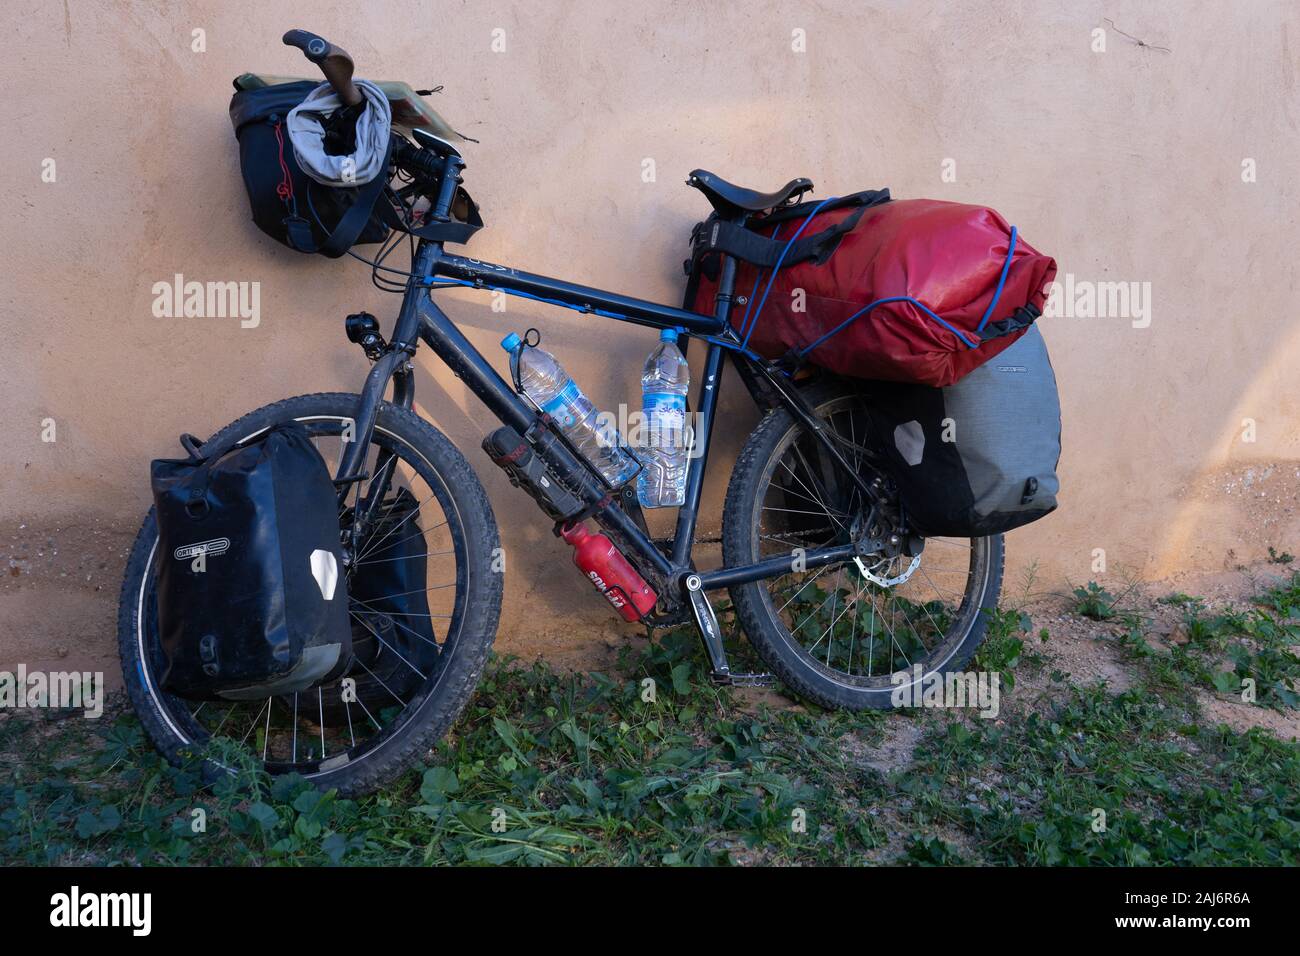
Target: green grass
{"points": [[1094, 601], [1118, 780], [556, 769], [1238, 653]]}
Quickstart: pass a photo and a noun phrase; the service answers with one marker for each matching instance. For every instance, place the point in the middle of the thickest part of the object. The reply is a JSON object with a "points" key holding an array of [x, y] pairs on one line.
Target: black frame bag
{"points": [[287, 204], [252, 596]]}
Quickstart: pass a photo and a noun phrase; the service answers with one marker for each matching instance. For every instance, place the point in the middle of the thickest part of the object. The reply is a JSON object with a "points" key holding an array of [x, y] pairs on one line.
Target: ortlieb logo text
{"points": [[213, 547]]}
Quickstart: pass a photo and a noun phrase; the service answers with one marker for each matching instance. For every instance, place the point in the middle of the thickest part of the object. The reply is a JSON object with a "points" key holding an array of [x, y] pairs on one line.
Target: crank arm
{"points": [[707, 623], [711, 635]]}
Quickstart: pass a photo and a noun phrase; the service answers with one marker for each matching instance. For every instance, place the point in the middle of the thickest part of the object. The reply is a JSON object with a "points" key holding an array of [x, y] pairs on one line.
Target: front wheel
{"points": [[423, 599], [839, 634]]}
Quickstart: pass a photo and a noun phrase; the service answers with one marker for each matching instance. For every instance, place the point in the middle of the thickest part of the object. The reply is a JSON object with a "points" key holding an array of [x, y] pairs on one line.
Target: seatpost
{"points": [[727, 281]]}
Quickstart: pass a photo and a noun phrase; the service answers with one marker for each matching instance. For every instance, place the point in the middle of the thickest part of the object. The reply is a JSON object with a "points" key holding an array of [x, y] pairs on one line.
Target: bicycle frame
{"points": [[420, 318]]}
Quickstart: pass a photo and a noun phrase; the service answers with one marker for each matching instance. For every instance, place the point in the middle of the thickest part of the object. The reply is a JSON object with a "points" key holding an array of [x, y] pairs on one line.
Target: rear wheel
{"points": [[837, 634], [423, 602]]}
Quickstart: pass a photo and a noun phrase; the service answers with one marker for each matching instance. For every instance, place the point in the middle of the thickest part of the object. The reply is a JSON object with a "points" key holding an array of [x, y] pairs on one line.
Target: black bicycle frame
{"points": [[420, 317]]}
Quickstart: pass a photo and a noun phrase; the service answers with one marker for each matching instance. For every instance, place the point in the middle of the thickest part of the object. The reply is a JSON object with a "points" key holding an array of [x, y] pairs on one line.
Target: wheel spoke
{"points": [[368, 549], [408, 557], [381, 683], [369, 607], [256, 718], [813, 479], [408, 630], [320, 706], [820, 571], [266, 734]]}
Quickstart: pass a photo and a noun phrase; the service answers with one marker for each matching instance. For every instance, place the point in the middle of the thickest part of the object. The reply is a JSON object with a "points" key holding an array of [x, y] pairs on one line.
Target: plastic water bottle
{"points": [[547, 383], [664, 383]]}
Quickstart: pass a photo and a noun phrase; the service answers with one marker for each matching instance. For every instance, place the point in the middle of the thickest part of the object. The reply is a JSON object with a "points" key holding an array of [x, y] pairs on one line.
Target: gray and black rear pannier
{"points": [[978, 457]]}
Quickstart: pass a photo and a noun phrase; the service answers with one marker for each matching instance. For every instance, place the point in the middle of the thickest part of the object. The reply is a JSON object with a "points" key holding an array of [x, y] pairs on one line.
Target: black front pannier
{"points": [[978, 457], [287, 204], [251, 596]]}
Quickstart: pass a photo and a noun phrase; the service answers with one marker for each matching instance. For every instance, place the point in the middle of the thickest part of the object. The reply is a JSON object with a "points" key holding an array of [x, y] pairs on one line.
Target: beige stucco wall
{"points": [[1124, 164]]}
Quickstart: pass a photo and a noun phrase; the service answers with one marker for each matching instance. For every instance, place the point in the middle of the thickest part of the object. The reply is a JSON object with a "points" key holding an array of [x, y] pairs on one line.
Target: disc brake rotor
{"points": [[877, 572]]}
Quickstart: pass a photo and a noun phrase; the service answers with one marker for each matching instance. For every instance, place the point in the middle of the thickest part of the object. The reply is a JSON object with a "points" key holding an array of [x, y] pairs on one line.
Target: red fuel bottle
{"points": [[611, 573]]}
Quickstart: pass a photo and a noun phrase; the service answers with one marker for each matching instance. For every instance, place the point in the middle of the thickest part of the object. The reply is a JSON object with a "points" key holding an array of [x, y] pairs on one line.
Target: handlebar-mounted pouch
{"points": [[286, 203], [252, 597]]}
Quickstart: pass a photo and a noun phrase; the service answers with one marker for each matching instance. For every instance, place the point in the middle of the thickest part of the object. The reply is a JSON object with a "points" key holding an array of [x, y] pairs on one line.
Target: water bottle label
{"points": [[564, 406], [660, 403], [665, 415]]}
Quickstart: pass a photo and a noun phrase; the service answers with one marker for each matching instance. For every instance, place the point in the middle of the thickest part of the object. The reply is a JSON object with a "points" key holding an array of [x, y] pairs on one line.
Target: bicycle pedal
{"points": [[745, 680]]}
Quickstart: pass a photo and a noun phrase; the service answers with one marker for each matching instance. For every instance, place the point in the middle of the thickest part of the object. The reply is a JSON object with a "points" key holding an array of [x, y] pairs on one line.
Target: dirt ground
{"points": [[74, 571], [58, 596], [1088, 651]]}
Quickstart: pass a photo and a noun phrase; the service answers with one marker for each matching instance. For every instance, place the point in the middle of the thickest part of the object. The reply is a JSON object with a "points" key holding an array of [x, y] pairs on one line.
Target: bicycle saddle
{"points": [[729, 199]]}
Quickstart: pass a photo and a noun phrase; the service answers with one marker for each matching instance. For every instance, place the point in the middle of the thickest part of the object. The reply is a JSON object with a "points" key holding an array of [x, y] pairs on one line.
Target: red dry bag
{"points": [[915, 290]]}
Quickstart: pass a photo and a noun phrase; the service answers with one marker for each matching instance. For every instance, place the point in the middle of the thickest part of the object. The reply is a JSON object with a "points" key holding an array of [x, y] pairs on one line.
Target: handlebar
{"points": [[333, 61], [443, 170], [416, 161]]}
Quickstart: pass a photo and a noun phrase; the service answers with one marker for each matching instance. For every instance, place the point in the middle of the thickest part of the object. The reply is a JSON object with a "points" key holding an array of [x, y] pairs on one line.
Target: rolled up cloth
{"points": [[307, 133]]}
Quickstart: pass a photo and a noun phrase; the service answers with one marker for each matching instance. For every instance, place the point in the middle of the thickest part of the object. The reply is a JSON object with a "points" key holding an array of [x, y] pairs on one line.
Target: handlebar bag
{"points": [[915, 290], [286, 203], [251, 596], [978, 457], [388, 586]]}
